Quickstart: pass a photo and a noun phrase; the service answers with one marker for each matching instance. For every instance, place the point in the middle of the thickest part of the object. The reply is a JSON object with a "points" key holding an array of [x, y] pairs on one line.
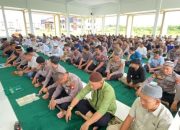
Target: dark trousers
{"points": [[177, 72], [83, 66], [51, 81], [63, 106], [41, 78], [8, 53], [23, 66], [84, 107], [34, 73], [76, 62], [168, 97], [100, 70], [116, 76], [11, 62]]}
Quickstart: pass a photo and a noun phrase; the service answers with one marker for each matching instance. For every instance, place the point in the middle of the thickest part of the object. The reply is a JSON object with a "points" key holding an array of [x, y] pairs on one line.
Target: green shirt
{"points": [[102, 100]]}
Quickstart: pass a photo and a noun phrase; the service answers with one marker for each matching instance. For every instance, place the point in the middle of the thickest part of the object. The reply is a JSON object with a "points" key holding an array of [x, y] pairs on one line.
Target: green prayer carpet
{"points": [[36, 115]]}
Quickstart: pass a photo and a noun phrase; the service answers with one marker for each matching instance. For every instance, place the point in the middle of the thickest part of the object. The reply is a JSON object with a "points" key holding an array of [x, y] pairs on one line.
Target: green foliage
{"points": [[139, 31], [174, 30], [111, 29]]}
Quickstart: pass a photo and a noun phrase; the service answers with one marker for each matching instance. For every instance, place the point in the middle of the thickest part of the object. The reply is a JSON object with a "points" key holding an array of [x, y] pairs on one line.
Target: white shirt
{"points": [[33, 63], [27, 42], [142, 50], [57, 52], [45, 48]]}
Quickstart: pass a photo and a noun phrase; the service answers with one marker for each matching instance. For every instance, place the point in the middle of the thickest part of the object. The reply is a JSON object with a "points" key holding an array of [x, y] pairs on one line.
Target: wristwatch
{"points": [[70, 107]]}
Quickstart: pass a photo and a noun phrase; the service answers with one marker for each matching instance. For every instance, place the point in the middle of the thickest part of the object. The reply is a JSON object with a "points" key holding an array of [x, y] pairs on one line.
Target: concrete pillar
{"points": [[5, 22]]}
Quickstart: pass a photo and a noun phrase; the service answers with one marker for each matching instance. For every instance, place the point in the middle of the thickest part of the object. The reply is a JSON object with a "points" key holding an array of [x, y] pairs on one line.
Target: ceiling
{"points": [[86, 3], [97, 7], [95, 2]]}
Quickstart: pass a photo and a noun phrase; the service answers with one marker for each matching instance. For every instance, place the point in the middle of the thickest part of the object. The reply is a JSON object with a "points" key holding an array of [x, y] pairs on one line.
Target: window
{"points": [[43, 23], [15, 22], [110, 24], [63, 24], [172, 21], [143, 24], [2, 29], [98, 25], [122, 23], [88, 25], [75, 25]]}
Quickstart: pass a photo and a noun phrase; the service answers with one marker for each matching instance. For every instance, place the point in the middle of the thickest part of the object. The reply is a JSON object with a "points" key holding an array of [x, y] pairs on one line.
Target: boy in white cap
{"points": [[56, 51]]}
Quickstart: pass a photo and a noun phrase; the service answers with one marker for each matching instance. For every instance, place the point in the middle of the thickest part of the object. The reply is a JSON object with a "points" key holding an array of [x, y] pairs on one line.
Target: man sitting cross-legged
{"points": [[44, 67], [170, 83], [31, 67], [86, 57], [15, 55], [54, 68], [99, 110], [61, 93], [135, 76], [115, 68], [98, 63]]}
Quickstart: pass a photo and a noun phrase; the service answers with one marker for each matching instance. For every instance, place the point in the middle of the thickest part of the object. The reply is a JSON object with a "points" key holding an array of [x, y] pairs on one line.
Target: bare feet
{"points": [[37, 85], [61, 114], [20, 73], [46, 96], [15, 72], [95, 128]]}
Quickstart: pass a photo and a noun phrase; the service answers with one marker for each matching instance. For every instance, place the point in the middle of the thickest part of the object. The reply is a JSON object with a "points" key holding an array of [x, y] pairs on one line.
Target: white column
{"points": [[67, 24], [117, 24], [57, 24], [93, 25], [67, 20], [5, 22], [132, 21], [158, 9], [118, 20], [30, 21], [103, 24], [129, 24], [25, 24], [83, 25], [164, 25]]}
